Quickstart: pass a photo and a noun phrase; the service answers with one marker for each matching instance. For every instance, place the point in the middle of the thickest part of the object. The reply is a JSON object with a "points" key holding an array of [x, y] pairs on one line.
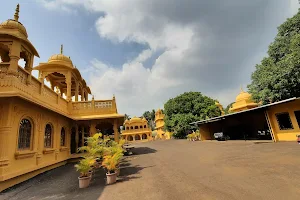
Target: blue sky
{"points": [[146, 52], [48, 29]]}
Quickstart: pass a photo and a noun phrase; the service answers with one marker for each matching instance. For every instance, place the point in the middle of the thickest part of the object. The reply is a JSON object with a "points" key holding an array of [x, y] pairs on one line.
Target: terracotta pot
{"points": [[111, 178], [84, 182]]}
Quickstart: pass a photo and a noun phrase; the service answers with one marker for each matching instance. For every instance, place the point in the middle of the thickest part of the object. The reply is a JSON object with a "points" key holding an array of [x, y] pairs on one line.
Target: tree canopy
{"points": [[186, 108], [150, 117], [277, 77]]}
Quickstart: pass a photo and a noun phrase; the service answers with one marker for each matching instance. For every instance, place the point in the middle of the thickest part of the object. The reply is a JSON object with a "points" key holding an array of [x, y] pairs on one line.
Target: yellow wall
{"points": [[284, 135], [16, 162]]}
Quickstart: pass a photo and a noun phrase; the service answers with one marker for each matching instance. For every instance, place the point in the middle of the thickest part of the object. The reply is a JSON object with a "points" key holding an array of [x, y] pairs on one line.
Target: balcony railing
{"points": [[28, 86]]}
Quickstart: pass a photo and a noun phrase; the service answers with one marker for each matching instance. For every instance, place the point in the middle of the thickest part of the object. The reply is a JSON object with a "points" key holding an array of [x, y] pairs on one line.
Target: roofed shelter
{"points": [[279, 121]]}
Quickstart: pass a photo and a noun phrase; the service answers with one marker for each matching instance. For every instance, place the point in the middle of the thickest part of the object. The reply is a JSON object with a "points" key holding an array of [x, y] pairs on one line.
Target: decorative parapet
{"points": [[35, 91]]}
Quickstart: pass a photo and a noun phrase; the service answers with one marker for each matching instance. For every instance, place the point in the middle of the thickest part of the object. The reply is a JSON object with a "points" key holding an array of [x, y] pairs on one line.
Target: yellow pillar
{"points": [[93, 130], [116, 132], [82, 94], [4, 161], [69, 85], [76, 91]]}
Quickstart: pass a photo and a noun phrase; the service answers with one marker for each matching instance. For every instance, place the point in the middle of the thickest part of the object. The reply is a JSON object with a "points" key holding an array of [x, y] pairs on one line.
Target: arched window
{"points": [[141, 126], [63, 137], [145, 126], [127, 128], [136, 127], [25, 133], [48, 136], [131, 127]]}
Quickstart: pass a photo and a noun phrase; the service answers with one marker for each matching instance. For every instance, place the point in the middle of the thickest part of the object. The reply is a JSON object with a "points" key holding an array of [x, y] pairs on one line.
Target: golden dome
{"points": [[158, 111], [144, 119], [14, 23], [60, 58], [243, 96], [217, 103]]}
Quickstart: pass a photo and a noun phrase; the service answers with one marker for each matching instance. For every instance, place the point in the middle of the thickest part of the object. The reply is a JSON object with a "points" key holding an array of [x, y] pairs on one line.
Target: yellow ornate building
{"points": [[159, 126], [136, 129], [39, 128], [243, 101]]}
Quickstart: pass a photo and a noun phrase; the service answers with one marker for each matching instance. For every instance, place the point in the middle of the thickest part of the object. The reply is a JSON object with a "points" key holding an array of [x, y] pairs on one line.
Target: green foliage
{"points": [[228, 107], [186, 108], [150, 117], [84, 166], [277, 77]]}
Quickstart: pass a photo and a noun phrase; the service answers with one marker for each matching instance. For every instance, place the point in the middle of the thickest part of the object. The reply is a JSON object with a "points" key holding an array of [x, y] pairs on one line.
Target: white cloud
{"points": [[208, 46]]}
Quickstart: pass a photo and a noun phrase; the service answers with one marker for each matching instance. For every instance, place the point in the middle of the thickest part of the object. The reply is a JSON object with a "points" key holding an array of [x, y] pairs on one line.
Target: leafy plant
{"points": [[111, 161], [84, 166]]}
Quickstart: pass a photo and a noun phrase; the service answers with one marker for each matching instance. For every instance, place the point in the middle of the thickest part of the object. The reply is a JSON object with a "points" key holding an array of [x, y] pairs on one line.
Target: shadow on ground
{"points": [[62, 182], [59, 183], [143, 150]]}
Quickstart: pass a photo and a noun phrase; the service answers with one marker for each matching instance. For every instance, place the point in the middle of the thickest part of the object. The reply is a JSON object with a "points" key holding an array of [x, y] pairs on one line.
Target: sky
{"points": [[146, 52]]}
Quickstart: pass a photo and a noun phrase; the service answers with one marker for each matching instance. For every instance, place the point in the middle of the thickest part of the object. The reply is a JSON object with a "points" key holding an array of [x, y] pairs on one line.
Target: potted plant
{"points": [[110, 162], [84, 167]]}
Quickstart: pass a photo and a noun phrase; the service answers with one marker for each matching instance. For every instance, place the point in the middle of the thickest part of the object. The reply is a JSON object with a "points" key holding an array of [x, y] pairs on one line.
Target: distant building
{"points": [[136, 129]]}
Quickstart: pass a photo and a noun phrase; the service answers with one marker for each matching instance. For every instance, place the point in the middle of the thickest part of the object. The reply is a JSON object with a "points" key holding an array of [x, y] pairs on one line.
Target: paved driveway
{"points": [[182, 170]]}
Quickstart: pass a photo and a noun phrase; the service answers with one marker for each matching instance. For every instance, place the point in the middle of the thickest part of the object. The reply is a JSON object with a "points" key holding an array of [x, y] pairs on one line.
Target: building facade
{"points": [[41, 127], [136, 129], [279, 121]]}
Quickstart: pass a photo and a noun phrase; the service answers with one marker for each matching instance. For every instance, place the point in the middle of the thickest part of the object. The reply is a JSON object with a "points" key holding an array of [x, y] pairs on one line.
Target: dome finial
{"points": [[242, 89], [61, 49], [16, 16]]}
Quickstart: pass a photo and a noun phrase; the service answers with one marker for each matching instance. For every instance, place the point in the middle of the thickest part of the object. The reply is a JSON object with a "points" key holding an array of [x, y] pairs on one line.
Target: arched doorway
{"points": [[144, 136], [129, 138], [73, 140], [137, 137]]}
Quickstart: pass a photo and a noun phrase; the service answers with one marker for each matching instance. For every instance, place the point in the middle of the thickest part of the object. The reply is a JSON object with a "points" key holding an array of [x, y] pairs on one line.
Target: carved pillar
{"points": [[14, 56], [28, 67], [93, 130], [69, 86], [76, 91], [86, 96], [82, 94], [116, 132]]}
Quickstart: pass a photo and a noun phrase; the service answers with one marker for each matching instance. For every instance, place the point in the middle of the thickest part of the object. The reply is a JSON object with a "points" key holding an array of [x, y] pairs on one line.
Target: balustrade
{"points": [[34, 89]]}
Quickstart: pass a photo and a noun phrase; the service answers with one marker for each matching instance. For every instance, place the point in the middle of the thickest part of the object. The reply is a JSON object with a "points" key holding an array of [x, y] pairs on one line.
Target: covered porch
{"points": [[82, 129]]}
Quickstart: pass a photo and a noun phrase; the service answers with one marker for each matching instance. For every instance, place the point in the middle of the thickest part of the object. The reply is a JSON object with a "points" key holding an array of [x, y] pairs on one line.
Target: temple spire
{"points": [[242, 89], [61, 49], [16, 16]]}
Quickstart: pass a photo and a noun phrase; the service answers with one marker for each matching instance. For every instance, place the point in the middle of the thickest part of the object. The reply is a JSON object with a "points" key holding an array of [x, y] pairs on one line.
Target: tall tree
{"points": [[186, 108], [277, 77]]}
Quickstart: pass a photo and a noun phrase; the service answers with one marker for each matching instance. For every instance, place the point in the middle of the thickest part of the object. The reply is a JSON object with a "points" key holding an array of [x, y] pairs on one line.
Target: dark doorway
{"points": [[73, 140]]}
